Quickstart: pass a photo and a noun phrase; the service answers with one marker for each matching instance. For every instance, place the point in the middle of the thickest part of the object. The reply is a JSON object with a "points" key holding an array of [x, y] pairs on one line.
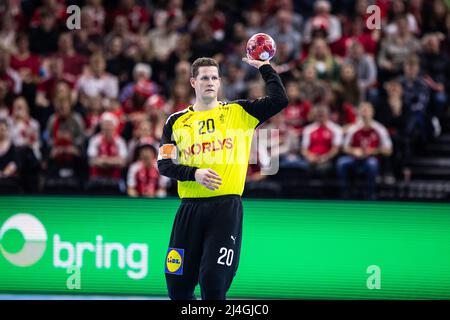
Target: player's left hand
{"points": [[255, 63]]}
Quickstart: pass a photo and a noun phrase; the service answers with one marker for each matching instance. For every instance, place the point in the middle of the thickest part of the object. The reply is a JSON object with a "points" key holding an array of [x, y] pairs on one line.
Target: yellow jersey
{"points": [[219, 138]]}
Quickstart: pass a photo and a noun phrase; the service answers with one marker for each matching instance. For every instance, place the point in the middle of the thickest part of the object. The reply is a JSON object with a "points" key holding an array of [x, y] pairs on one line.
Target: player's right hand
{"points": [[208, 178], [255, 63]]}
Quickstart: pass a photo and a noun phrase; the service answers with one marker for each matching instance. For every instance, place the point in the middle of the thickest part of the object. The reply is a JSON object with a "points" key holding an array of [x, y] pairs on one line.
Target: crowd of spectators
{"points": [[84, 108]]}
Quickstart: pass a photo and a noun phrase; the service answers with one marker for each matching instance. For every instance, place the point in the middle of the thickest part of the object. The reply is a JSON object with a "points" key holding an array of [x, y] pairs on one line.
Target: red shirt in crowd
{"points": [[320, 138], [73, 64], [48, 86], [136, 16], [296, 115], [346, 115], [32, 63], [365, 39], [99, 146], [61, 15], [374, 137], [146, 180]]}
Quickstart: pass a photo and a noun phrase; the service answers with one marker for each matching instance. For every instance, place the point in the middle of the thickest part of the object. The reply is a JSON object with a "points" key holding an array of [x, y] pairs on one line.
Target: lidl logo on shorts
{"points": [[174, 261]]}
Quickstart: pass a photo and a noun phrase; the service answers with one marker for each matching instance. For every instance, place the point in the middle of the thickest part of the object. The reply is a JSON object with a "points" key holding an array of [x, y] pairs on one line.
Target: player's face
{"points": [[207, 83]]}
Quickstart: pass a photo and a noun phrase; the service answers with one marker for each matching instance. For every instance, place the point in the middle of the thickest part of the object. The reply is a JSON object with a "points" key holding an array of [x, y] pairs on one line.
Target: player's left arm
{"points": [[276, 99]]}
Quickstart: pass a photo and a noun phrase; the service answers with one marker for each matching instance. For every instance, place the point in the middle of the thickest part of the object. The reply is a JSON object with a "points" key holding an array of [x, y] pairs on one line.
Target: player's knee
{"points": [[214, 285], [179, 291]]}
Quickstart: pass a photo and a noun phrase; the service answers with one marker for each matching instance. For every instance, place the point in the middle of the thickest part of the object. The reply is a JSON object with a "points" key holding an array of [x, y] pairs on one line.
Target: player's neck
{"points": [[200, 105]]}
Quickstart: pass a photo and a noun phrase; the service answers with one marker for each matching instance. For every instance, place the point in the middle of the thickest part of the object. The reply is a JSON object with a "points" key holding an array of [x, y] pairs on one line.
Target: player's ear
{"points": [[192, 81]]}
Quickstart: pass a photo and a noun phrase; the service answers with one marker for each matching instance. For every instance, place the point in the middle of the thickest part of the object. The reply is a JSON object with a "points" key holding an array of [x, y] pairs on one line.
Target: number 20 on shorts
{"points": [[226, 254]]}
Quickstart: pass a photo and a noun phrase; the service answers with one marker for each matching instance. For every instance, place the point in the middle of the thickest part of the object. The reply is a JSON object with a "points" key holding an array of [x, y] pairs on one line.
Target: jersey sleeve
{"points": [[92, 150], [131, 177], [306, 137], [337, 134], [167, 156], [276, 99]]}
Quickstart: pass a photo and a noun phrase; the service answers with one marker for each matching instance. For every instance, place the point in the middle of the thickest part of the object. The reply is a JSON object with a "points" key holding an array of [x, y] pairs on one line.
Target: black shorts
{"points": [[204, 247]]}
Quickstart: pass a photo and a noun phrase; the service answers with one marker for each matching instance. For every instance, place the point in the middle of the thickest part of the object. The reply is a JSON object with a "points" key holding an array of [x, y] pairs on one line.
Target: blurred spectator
{"points": [[234, 85], [322, 60], [163, 37], [253, 22], [285, 63], [341, 112], [389, 109], [416, 97], [113, 106], [8, 75], [285, 149], [297, 113], [390, 112], [398, 9], [4, 107], [357, 32], [143, 176], [94, 110], [137, 17], [46, 88], [137, 103], [44, 37], [366, 70], [364, 142], [25, 130], [142, 73], [8, 157], [96, 81], [24, 62], [142, 135], [321, 142], [255, 90], [181, 54], [311, 88], [117, 63], [446, 39], [415, 8], [395, 49], [56, 7], [73, 62], [436, 70], [323, 23], [97, 13], [285, 32], [88, 39], [435, 15], [174, 8], [107, 153], [183, 71], [205, 44], [348, 85], [208, 17], [121, 30], [15, 10], [65, 139], [288, 5], [8, 34], [180, 98]]}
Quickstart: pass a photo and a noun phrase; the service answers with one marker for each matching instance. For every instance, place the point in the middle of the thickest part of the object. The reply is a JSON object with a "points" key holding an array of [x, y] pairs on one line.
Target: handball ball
{"points": [[261, 46]]}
